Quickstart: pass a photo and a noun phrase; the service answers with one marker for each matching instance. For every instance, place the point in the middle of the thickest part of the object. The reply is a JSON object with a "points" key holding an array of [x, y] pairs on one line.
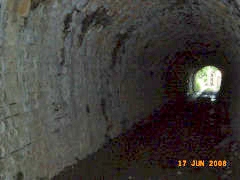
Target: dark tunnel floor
{"points": [[180, 130]]}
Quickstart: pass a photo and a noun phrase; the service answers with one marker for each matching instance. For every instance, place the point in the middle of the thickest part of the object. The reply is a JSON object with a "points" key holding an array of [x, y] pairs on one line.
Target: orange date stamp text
{"points": [[202, 163]]}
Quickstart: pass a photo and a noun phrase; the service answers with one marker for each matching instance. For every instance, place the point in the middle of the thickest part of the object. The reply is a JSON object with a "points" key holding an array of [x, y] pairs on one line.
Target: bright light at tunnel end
{"points": [[206, 83]]}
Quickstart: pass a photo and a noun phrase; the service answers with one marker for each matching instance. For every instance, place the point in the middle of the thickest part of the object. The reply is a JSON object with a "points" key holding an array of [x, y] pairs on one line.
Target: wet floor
{"points": [[152, 148]]}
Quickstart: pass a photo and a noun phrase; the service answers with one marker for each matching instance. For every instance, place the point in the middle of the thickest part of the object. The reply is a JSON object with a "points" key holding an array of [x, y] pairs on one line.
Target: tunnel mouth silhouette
{"points": [[205, 83], [181, 73]]}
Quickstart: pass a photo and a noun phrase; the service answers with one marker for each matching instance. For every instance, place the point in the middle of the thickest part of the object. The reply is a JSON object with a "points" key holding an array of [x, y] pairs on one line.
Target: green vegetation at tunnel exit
{"points": [[207, 79]]}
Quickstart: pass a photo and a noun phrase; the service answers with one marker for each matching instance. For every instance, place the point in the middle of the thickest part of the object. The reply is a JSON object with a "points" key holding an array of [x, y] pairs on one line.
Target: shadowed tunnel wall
{"points": [[76, 73]]}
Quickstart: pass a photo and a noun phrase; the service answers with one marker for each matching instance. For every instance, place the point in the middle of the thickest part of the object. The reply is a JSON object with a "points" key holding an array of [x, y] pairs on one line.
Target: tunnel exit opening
{"points": [[206, 83]]}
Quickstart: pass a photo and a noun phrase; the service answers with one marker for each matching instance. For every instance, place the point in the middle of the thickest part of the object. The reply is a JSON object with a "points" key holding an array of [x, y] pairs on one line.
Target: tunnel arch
{"points": [[190, 62], [113, 57]]}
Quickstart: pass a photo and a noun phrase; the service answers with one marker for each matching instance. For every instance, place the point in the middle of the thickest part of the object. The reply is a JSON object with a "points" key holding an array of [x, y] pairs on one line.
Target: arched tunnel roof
{"points": [[75, 74]]}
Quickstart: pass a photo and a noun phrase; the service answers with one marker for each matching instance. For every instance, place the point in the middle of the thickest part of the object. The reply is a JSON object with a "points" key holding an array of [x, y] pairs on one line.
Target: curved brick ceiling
{"points": [[76, 73]]}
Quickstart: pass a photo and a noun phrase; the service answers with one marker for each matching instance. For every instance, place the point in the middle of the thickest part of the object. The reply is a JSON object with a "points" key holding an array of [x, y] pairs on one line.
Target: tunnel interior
{"points": [[84, 82], [158, 54]]}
